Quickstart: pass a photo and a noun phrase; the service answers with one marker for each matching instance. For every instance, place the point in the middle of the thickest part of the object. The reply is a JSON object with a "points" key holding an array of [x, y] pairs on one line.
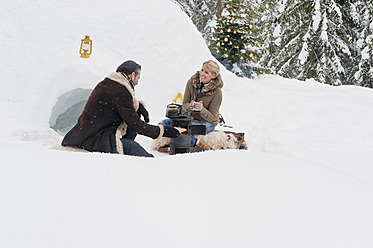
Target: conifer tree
{"points": [[268, 22], [314, 42], [236, 42], [364, 75], [259, 40], [232, 33], [351, 24], [202, 13]]}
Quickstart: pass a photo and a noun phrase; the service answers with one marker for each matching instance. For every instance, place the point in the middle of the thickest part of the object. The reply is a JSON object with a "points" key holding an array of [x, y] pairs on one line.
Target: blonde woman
{"points": [[203, 97]]}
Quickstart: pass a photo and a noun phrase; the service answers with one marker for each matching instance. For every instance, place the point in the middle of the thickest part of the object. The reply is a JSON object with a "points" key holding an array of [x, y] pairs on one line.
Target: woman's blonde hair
{"points": [[213, 66]]}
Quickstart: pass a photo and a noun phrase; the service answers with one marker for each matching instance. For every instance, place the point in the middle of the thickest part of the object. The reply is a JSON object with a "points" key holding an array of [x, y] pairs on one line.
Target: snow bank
{"points": [[306, 180], [40, 48], [261, 200]]}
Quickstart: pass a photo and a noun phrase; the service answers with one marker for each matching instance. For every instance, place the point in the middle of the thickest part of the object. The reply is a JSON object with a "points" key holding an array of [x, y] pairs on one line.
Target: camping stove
{"points": [[181, 144]]}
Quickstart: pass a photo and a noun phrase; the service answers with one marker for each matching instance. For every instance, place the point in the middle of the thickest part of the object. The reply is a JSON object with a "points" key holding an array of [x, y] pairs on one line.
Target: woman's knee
{"points": [[166, 122], [209, 127]]}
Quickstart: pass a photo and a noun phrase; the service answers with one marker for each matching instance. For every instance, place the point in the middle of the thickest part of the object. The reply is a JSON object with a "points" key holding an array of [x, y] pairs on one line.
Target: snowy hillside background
{"points": [[305, 181]]}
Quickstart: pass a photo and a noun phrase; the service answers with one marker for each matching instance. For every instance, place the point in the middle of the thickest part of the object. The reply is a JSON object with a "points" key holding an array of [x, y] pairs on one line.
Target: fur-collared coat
{"points": [[109, 111], [210, 94]]}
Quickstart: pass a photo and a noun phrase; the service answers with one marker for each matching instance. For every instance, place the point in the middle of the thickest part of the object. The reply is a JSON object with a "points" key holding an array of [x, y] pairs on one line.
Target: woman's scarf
{"points": [[208, 89]]}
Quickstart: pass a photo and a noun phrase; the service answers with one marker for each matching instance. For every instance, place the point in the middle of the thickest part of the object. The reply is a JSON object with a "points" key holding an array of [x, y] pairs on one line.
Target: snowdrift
{"points": [[40, 49], [306, 180]]}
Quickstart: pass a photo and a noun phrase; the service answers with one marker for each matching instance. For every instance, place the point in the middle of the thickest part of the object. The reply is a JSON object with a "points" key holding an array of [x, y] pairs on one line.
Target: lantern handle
{"points": [[177, 97]]}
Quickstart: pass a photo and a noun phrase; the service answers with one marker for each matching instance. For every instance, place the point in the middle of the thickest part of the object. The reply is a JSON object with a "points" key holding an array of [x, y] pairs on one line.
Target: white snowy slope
{"points": [[305, 181]]}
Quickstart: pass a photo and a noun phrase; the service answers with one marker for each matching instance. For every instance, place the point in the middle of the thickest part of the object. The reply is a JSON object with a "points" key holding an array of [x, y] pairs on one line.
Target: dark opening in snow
{"points": [[67, 110]]}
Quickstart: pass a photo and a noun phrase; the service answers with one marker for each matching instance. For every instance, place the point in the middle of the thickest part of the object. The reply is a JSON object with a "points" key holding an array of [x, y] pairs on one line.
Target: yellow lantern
{"points": [[258, 44], [251, 26], [251, 32], [229, 30], [267, 52], [225, 39], [85, 47]]}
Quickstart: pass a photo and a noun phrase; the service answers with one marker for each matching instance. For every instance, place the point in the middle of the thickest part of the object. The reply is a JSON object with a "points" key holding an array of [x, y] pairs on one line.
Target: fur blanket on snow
{"points": [[216, 140], [68, 148]]}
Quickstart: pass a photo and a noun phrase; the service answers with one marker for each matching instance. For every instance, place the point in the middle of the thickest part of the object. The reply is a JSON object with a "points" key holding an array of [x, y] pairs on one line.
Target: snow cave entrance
{"points": [[67, 110]]}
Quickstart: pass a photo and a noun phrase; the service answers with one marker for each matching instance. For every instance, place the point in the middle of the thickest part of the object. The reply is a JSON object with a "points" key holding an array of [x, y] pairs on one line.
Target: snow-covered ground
{"points": [[305, 181]]}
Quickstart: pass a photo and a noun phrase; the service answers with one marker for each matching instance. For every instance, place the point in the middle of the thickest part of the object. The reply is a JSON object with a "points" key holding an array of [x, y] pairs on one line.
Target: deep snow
{"points": [[306, 180]]}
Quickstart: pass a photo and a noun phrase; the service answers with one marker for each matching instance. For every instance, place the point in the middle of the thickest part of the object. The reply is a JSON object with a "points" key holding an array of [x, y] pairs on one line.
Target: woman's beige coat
{"points": [[211, 96]]}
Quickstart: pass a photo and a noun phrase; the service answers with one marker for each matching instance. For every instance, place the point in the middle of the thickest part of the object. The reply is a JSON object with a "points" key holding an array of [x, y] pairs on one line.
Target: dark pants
{"points": [[132, 148]]}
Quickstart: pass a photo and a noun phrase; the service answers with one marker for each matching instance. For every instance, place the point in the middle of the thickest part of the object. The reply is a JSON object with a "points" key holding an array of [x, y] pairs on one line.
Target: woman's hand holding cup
{"points": [[196, 106]]}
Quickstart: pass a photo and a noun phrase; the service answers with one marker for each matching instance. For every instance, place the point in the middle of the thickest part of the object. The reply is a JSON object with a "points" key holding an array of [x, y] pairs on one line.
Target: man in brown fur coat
{"points": [[111, 117]]}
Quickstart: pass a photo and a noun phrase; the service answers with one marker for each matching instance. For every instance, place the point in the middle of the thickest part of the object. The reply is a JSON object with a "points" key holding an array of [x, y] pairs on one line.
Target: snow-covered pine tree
{"points": [[268, 22], [314, 42], [233, 33], [202, 13], [364, 15], [236, 43], [351, 24], [205, 15], [259, 42]]}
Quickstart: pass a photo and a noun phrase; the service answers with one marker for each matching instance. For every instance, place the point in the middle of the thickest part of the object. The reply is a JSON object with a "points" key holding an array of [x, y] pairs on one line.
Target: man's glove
{"points": [[170, 132], [142, 111]]}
